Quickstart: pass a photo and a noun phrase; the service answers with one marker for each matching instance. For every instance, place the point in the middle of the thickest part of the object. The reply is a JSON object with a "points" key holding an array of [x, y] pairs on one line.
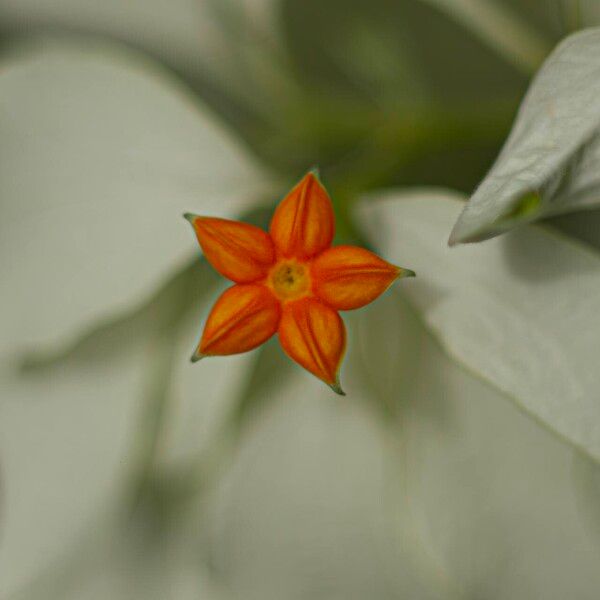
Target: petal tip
{"points": [[337, 388], [315, 172], [197, 356], [402, 273], [303, 224], [191, 217]]}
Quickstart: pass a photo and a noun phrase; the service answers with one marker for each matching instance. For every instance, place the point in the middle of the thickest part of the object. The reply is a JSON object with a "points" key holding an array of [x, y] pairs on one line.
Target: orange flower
{"points": [[289, 281]]}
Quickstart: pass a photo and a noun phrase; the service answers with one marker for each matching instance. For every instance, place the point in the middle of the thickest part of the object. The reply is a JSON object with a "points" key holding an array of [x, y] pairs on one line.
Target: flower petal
{"points": [[347, 277], [243, 318], [239, 251], [303, 224], [313, 334]]}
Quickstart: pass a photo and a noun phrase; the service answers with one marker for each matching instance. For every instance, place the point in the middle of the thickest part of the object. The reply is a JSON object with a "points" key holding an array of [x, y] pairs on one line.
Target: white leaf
{"points": [[190, 36], [551, 160], [459, 495], [521, 311], [101, 154], [202, 394], [64, 442], [70, 450], [169, 29], [304, 512], [486, 491]]}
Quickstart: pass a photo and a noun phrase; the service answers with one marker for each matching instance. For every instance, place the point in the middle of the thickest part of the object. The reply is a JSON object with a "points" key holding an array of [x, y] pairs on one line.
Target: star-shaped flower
{"points": [[290, 281]]}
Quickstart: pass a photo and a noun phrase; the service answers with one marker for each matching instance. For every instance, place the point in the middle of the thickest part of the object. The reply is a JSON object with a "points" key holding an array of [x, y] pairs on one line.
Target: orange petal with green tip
{"points": [[241, 252], [303, 224], [314, 335], [348, 277], [243, 318]]}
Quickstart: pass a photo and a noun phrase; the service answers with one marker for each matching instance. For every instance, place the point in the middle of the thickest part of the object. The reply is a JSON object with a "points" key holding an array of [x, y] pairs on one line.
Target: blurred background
{"points": [[125, 471]]}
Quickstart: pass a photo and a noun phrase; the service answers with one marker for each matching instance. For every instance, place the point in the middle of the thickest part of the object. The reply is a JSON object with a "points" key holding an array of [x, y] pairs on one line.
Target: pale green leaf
{"points": [[201, 394], [64, 441], [186, 34], [172, 30], [82, 442], [101, 154], [453, 493], [123, 561], [586, 479], [304, 511], [191, 37], [484, 491], [551, 160], [520, 311]]}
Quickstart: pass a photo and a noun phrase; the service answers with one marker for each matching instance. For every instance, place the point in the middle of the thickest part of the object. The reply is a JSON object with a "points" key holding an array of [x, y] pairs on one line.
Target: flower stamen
{"points": [[289, 280]]}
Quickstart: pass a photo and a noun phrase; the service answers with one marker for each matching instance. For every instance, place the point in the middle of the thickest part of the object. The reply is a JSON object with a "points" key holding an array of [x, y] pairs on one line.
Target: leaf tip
{"points": [[453, 240]]}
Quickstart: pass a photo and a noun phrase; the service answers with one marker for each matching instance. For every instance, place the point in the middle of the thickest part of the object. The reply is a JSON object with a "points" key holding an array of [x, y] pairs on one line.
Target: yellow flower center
{"points": [[290, 280]]}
